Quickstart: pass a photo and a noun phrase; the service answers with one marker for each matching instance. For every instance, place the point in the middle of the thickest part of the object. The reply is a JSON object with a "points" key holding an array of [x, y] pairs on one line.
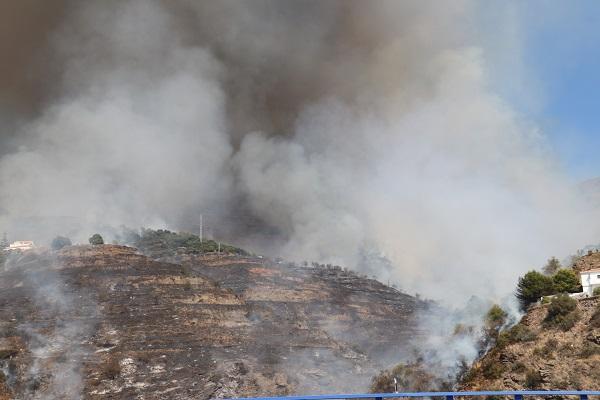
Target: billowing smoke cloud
{"points": [[308, 129]]}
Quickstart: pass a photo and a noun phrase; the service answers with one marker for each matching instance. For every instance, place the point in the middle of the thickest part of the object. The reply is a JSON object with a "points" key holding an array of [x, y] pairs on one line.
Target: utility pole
{"points": [[201, 231], [201, 228]]}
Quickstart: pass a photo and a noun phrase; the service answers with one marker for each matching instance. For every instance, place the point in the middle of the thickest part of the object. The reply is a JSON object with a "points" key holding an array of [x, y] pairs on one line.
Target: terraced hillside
{"points": [[108, 322]]}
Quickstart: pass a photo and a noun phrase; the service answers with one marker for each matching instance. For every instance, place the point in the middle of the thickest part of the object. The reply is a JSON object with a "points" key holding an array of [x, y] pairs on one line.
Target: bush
{"points": [[533, 379], [492, 369], [495, 317], [111, 369], [595, 320], [493, 322], [562, 312], [59, 242], [566, 281], [96, 239], [519, 367], [411, 377], [518, 333], [589, 349], [532, 286], [596, 291], [163, 243]]}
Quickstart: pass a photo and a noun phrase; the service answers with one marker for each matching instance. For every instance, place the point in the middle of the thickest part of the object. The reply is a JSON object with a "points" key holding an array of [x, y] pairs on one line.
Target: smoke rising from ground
{"points": [[311, 130]]}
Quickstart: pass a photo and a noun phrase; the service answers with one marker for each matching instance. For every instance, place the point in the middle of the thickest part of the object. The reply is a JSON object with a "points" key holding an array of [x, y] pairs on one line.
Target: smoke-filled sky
{"points": [[315, 130]]}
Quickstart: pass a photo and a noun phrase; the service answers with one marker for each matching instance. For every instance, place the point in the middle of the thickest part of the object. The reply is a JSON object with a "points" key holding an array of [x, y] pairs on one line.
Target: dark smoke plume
{"points": [[309, 129]]}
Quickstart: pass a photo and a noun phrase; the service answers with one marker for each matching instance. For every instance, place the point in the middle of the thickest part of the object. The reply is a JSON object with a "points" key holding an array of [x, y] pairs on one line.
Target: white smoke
{"points": [[335, 126]]}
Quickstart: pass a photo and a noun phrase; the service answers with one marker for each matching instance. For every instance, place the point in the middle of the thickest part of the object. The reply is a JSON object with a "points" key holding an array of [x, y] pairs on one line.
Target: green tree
{"points": [[566, 281], [532, 286], [96, 239], [552, 266], [59, 242]]}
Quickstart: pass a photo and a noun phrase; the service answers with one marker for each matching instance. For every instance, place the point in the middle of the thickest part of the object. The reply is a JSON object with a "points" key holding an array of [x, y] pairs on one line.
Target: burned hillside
{"points": [[109, 322]]}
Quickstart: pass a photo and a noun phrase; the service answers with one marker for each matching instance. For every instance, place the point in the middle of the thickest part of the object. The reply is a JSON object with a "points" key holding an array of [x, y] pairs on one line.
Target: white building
{"points": [[21, 245], [590, 280]]}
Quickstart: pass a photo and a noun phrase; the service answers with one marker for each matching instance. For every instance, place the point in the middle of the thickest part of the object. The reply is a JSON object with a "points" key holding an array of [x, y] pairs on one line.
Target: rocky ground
{"points": [[108, 322]]}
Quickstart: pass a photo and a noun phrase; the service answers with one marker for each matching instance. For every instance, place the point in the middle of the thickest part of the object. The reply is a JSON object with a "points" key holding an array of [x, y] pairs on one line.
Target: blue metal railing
{"points": [[516, 394]]}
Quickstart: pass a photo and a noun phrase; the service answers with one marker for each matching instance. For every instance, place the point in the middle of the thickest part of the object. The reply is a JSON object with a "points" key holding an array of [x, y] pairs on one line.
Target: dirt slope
{"points": [[110, 323]]}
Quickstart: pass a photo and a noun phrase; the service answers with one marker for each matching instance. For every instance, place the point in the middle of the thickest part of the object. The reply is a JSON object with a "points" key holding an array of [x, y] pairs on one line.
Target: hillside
{"points": [[109, 322], [534, 355]]}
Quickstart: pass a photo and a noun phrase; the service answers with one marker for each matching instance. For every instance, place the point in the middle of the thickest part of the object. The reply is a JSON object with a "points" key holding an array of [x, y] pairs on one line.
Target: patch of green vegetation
{"points": [[532, 286], [160, 243], [96, 239], [566, 281], [562, 313], [596, 291], [494, 319], [535, 285], [516, 334], [412, 376], [493, 369]]}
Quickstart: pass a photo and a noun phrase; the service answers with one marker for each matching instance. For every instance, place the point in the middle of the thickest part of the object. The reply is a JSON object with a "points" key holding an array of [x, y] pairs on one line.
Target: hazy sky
{"points": [[559, 57]]}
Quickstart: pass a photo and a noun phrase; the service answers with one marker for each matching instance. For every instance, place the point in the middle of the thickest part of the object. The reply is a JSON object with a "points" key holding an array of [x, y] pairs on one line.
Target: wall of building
{"points": [[590, 280]]}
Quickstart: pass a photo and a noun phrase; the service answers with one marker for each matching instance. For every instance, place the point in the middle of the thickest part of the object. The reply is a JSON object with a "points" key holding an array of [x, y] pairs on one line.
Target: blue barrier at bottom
{"points": [[516, 394]]}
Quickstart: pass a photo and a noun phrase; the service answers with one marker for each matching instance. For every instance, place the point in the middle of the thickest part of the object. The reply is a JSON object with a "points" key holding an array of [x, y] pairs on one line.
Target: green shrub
{"points": [[566, 281], [562, 312], [596, 291], [161, 243], [533, 379], [518, 333], [532, 286], [493, 322], [521, 333], [96, 239], [59, 242], [495, 317]]}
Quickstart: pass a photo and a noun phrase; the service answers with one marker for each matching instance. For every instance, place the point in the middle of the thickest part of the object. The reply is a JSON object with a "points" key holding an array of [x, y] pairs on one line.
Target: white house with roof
{"points": [[21, 245], [590, 280]]}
